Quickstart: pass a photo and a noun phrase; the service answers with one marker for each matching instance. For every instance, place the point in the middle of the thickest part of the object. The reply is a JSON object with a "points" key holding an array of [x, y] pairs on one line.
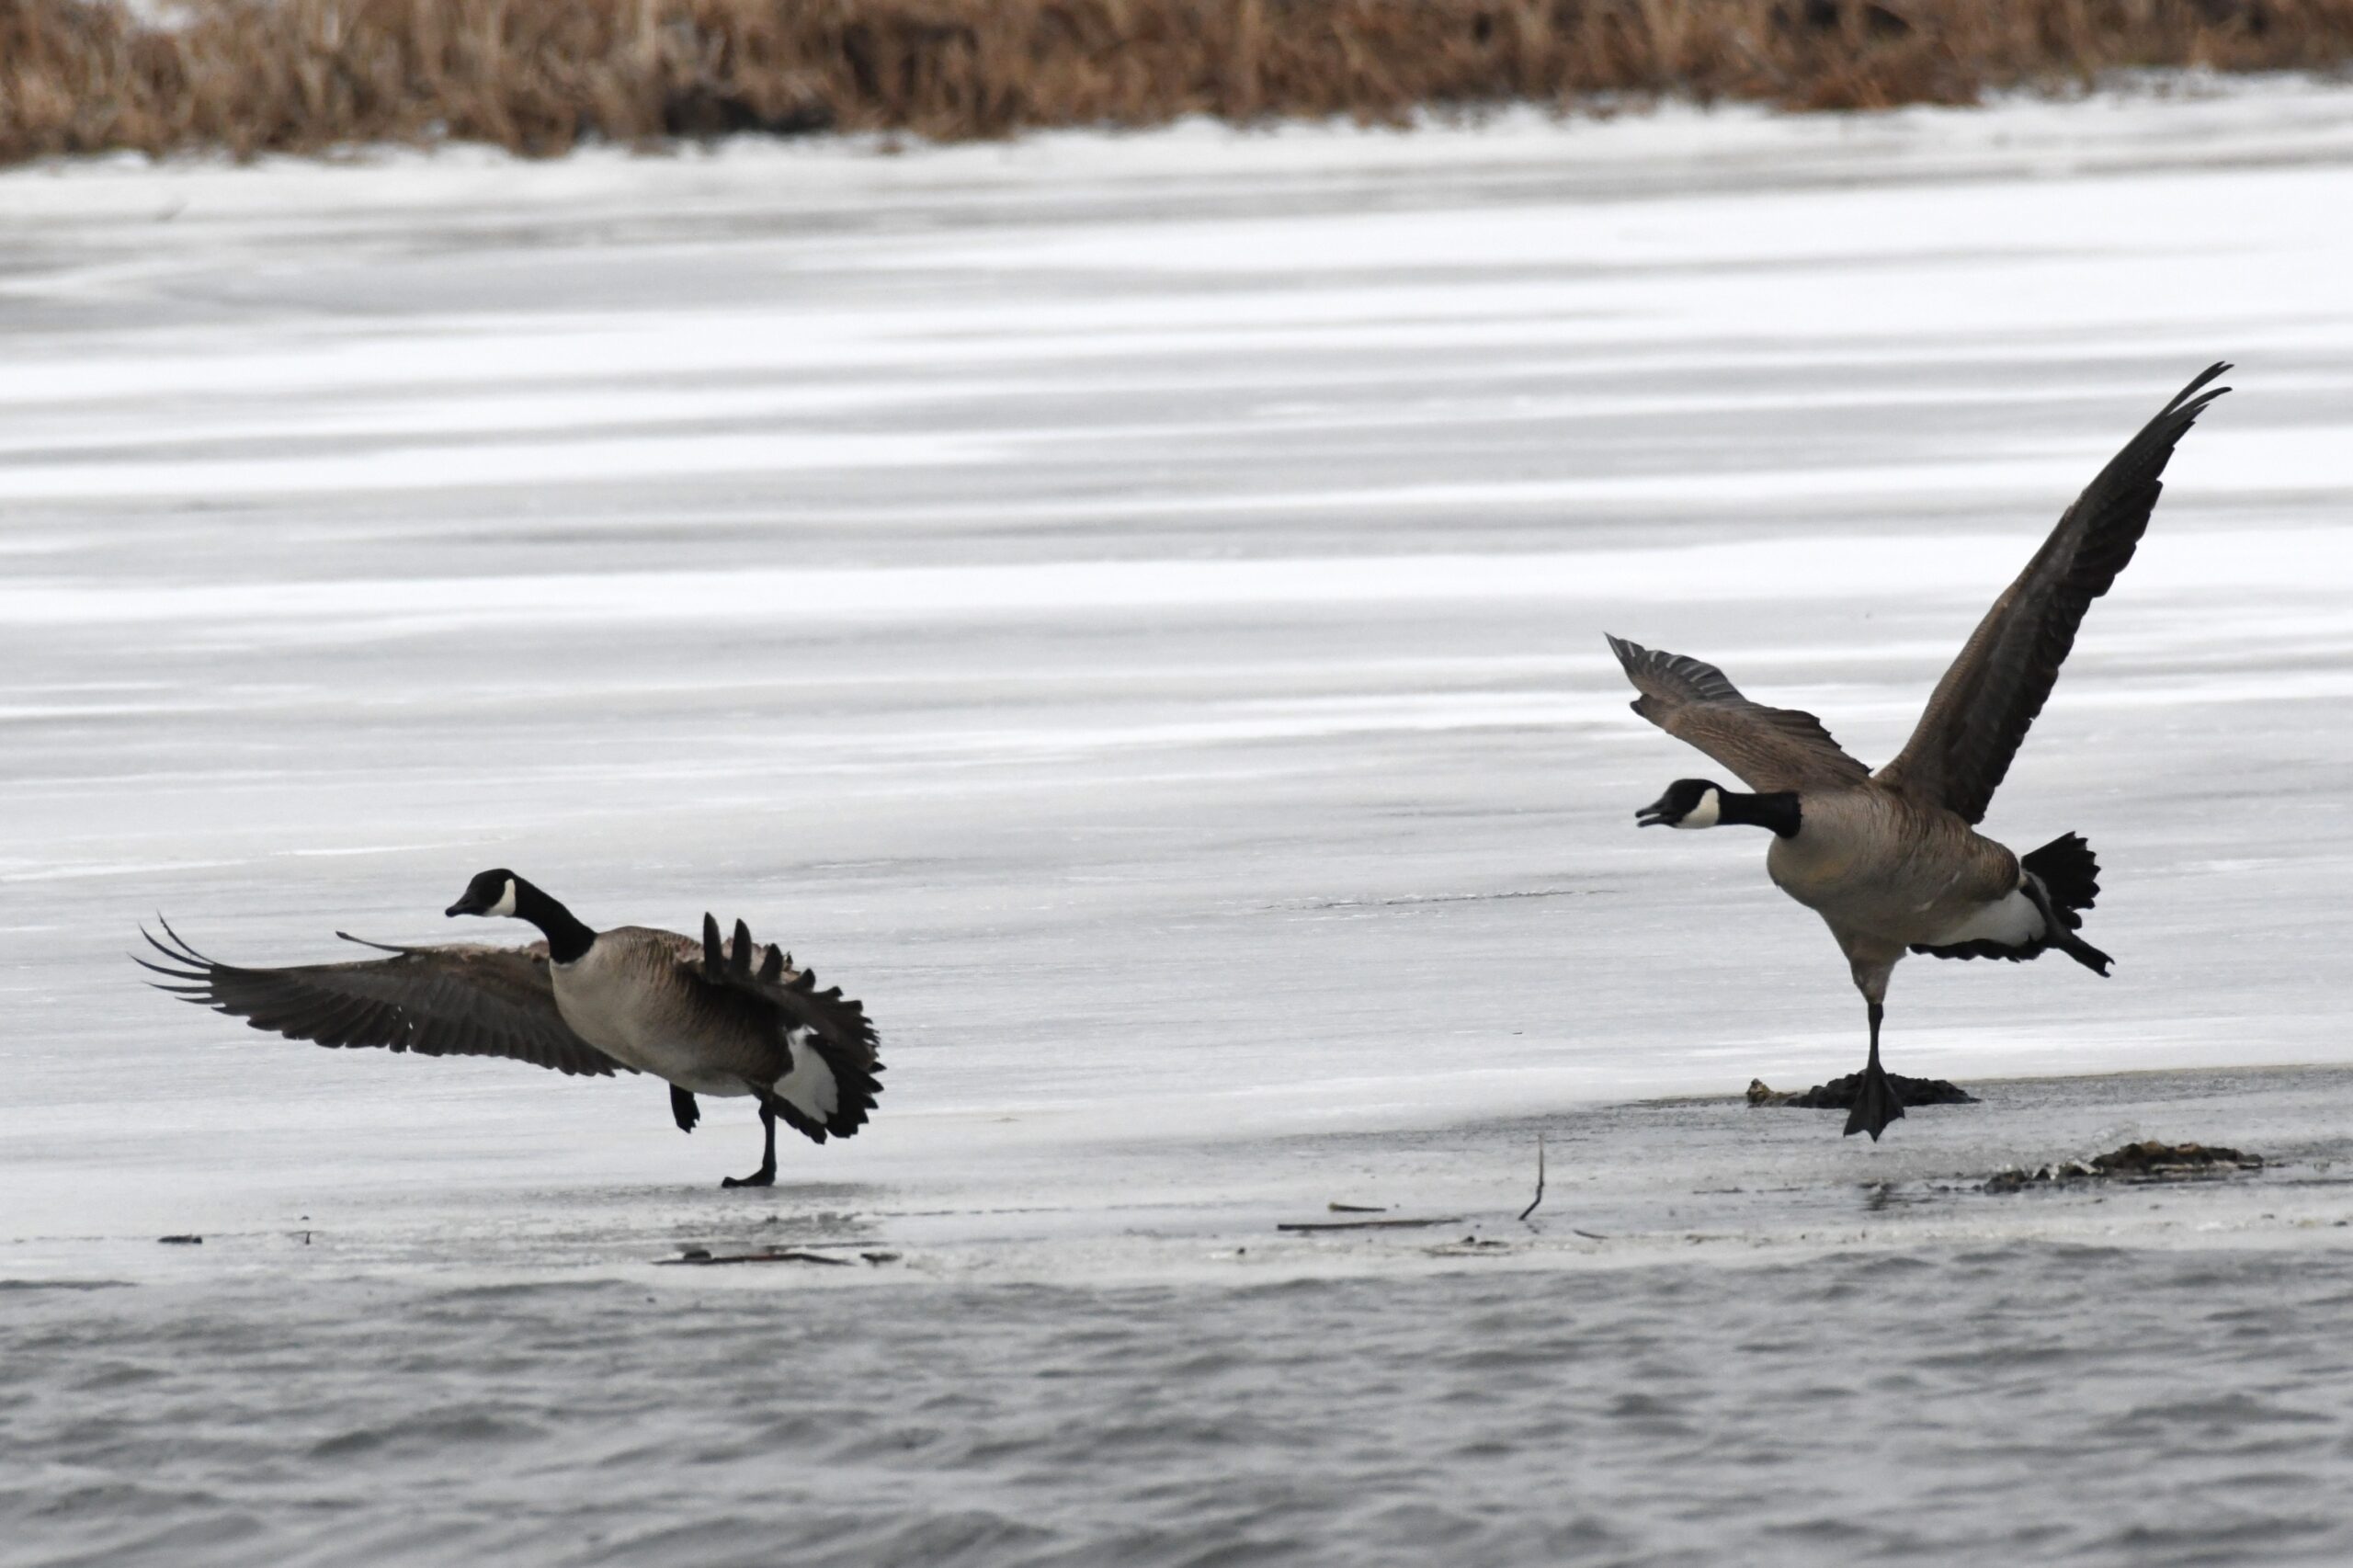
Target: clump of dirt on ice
{"points": [[1840, 1093], [2146, 1161]]}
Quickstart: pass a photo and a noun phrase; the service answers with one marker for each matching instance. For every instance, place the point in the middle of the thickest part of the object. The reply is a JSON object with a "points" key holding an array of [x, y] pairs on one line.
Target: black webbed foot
{"points": [[766, 1175], [1876, 1103], [682, 1108]]}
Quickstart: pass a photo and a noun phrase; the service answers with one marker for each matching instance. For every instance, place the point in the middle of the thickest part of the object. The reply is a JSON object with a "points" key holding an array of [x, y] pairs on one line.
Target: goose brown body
{"points": [[1867, 859], [1892, 860], [618, 997]]}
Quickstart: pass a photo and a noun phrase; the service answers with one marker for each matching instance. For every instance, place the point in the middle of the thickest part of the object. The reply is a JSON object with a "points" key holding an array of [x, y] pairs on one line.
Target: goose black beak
{"points": [[1658, 814], [461, 907]]}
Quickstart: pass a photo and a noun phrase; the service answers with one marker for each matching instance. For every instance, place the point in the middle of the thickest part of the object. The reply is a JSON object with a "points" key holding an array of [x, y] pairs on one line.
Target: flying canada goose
{"points": [[1890, 860], [712, 1020]]}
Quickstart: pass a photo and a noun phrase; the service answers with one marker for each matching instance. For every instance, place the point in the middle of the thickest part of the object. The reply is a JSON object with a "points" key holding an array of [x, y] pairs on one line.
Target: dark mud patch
{"points": [[2143, 1161], [1840, 1093]]}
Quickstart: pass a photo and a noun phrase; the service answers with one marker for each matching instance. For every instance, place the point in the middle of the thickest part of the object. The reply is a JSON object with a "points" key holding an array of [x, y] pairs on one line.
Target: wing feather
{"points": [[463, 1000], [833, 1026], [1770, 748], [1981, 711]]}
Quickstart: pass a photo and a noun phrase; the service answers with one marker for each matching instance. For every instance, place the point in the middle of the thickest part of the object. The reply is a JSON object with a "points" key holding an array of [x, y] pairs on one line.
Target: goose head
{"points": [[491, 892], [1689, 803]]}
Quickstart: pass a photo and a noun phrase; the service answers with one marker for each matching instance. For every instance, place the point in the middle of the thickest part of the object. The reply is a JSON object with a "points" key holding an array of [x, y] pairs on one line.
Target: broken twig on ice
{"points": [[1540, 1179]]}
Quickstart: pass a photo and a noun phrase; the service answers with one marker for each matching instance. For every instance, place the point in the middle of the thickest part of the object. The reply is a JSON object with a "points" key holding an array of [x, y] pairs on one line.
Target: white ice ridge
{"points": [[2298, 562]]}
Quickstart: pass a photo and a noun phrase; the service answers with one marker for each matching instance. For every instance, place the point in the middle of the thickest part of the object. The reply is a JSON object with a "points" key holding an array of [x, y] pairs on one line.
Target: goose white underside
{"points": [[2010, 921], [811, 1087]]}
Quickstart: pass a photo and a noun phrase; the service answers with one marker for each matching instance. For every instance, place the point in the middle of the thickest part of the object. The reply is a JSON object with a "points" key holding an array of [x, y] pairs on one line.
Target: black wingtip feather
{"points": [[711, 964], [2219, 368], [190, 969], [187, 976], [175, 951], [179, 940], [2173, 421]]}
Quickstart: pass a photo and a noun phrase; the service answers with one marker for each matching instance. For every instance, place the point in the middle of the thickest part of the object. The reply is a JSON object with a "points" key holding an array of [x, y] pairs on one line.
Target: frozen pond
{"points": [[1132, 610]]}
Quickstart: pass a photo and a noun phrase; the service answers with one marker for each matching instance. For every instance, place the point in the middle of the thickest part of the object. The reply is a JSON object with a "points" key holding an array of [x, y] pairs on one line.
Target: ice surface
{"points": [[1131, 609]]}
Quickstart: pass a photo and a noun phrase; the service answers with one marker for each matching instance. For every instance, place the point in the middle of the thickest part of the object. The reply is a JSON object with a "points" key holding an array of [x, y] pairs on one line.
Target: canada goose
{"points": [[710, 1020], [1890, 860]]}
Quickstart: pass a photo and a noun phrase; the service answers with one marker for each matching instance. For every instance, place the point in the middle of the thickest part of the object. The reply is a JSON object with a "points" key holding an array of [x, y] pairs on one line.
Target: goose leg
{"points": [[1875, 1101], [683, 1110], [766, 1175]]}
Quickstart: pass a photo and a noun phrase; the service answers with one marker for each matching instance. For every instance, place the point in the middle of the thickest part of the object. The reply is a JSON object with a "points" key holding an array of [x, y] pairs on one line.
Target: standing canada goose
{"points": [[737, 1020], [1892, 860]]}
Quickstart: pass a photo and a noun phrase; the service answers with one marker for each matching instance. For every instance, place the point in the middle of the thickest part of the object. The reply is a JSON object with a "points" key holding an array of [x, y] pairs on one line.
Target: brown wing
{"points": [[1770, 748], [834, 1028], [447, 1001], [1983, 707]]}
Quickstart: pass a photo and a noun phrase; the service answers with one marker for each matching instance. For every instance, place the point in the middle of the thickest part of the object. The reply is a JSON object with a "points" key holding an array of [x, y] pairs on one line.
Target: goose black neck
{"points": [[567, 938], [1777, 811]]}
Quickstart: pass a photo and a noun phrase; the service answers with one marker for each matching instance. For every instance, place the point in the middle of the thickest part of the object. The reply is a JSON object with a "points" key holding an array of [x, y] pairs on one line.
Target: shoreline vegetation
{"points": [[538, 76]]}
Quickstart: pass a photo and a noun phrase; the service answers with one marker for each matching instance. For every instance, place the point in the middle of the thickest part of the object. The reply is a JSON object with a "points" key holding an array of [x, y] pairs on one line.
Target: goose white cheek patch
{"points": [[1706, 814], [506, 905]]}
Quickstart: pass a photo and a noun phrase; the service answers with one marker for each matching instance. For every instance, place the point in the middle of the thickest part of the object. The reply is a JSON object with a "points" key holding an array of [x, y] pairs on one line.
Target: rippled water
{"points": [[2036, 1402], [1721, 1330]]}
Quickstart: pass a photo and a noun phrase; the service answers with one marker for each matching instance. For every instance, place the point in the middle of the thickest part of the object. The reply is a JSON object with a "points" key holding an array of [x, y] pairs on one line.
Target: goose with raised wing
{"points": [[710, 1018], [1892, 860]]}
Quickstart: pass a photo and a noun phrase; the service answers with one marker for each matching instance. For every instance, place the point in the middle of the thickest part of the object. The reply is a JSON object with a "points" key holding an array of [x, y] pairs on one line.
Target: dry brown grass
{"points": [[538, 75]]}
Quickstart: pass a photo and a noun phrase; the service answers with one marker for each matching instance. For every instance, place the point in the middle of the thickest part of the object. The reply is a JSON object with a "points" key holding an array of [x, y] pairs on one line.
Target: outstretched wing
{"points": [[445, 1000], [1987, 702], [832, 1087], [1770, 748]]}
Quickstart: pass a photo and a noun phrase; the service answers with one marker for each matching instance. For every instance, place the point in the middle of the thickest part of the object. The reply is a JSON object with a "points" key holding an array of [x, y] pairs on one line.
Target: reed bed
{"points": [[537, 76]]}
